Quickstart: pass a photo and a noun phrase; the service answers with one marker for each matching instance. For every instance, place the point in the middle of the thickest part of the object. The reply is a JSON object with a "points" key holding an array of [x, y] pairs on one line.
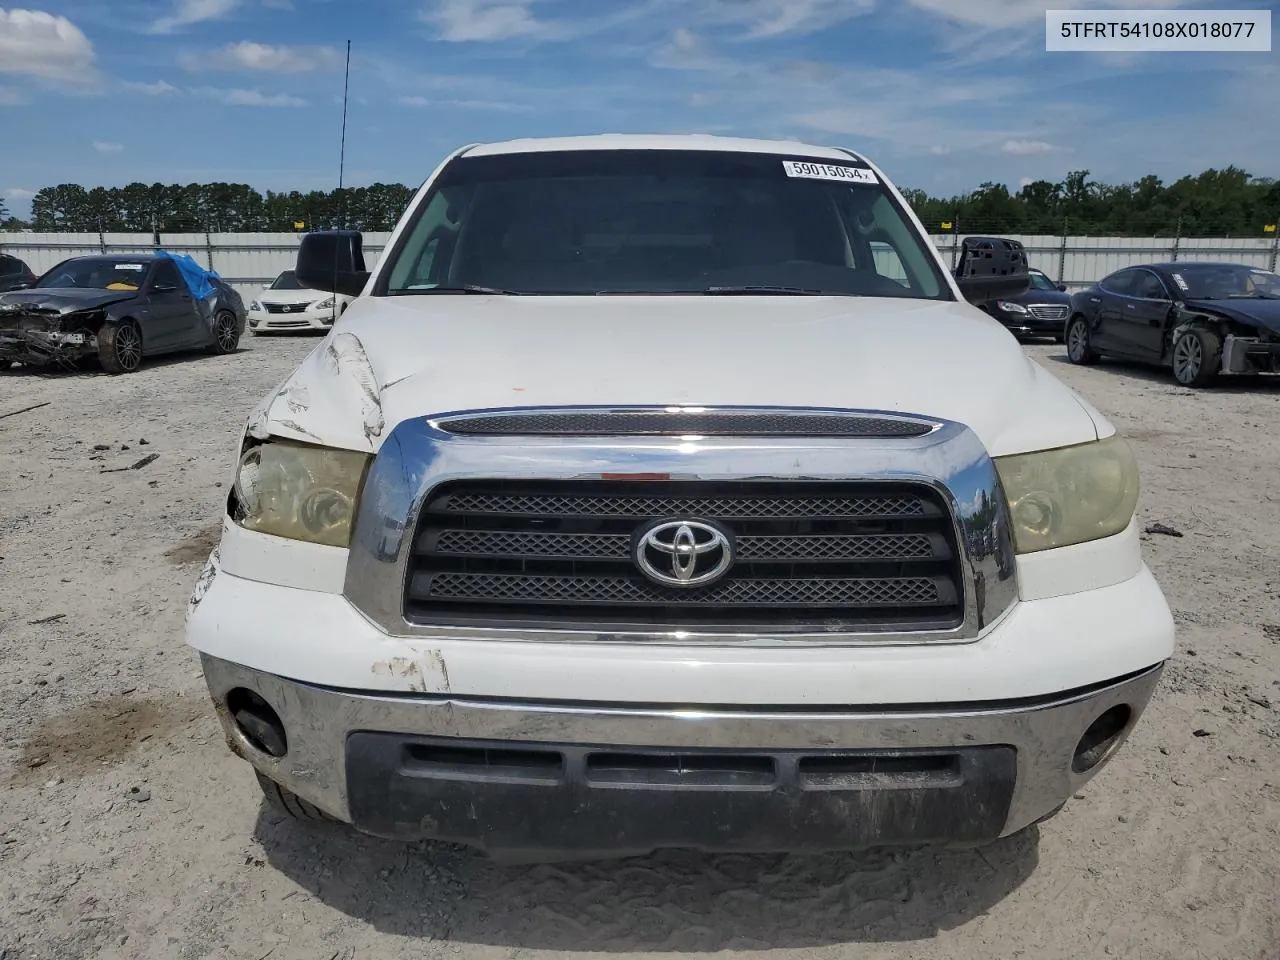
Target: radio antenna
{"points": [[342, 151]]}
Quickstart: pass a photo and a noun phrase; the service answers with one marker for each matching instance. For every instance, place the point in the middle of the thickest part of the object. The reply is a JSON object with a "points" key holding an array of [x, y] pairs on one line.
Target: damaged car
{"points": [[119, 310], [1198, 319]]}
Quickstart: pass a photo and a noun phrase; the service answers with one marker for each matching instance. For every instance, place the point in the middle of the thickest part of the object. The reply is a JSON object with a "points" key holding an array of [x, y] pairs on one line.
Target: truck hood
{"points": [[391, 358], [57, 300]]}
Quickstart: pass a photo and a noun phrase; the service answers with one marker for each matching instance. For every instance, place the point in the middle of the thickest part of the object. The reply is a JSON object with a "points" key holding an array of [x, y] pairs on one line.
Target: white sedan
{"points": [[285, 304]]}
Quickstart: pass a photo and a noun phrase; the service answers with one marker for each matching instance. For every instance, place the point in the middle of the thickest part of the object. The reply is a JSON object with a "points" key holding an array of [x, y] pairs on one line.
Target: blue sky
{"points": [[944, 94]]}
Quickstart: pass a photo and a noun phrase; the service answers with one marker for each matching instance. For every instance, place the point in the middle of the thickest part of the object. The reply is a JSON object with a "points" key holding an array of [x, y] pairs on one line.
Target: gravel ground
{"points": [[127, 829]]}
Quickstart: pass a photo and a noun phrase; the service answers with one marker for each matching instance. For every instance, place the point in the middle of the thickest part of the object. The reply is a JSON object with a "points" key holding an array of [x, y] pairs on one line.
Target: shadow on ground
{"points": [[89, 367], [672, 901], [1163, 377]]}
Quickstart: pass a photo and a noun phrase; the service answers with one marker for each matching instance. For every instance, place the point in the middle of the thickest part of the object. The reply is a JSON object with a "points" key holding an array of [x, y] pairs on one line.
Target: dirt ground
{"points": [[128, 830]]}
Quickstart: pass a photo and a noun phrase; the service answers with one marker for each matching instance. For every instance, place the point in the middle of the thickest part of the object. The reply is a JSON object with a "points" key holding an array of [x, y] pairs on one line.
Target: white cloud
{"points": [[19, 193], [262, 57], [188, 12], [107, 146], [11, 98], [460, 21], [999, 14], [684, 50], [774, 18], [420, 101], [1027, 148], [939, 150], [1025, 182], [248, 98], [42, 45], [484, 20], [158, 89]]}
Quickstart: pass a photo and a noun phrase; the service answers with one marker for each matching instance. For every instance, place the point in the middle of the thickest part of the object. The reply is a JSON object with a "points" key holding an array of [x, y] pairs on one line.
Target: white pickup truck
{"points": [[670, 492]]}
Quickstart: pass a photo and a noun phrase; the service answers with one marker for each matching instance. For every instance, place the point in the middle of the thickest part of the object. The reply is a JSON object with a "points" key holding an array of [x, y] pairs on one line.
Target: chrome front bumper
{"points": [[324, 764]]}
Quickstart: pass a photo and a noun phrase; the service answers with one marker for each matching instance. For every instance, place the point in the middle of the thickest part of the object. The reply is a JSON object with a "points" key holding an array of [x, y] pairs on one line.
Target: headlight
{"points": [[1008, 307], [323, 305], [304, 493], [1070, 495], [255, 306]]}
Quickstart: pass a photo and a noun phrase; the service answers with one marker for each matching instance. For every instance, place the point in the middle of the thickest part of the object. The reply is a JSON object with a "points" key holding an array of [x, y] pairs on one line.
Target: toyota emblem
{"points": [[683, 553]]}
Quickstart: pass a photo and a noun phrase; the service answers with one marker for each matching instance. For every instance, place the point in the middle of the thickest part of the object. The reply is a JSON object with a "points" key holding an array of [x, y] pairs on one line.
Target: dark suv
{"points": [[14, 274]]}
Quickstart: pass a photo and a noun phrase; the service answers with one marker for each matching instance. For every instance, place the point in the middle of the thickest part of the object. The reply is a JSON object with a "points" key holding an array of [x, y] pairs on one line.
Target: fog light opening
{"points": [[257, 723], [1101, 738]]}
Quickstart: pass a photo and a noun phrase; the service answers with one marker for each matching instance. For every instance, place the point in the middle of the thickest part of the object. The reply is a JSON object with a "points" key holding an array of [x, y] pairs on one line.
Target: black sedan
{"points": [[1038, 312], [1198, 319], [119, 309]]}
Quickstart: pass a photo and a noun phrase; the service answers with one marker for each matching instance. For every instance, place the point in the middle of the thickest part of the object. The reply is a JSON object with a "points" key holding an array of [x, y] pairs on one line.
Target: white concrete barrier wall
{"points": [[251, 260]]}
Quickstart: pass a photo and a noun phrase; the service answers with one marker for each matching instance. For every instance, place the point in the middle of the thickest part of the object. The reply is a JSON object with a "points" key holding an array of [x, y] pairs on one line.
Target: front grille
{"points": [[286, 307], [735, 423], [807, 556], [1048, 311]]}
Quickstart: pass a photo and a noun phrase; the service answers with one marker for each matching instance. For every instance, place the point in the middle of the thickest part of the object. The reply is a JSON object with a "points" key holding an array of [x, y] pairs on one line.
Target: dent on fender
{"points": [[332, 398]]}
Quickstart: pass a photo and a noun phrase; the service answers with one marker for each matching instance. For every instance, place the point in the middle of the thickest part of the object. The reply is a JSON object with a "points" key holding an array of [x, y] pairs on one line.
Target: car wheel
{"points": [[1197, 355], [120, 347], [1079, 343], [289, 803], [225, 335]]}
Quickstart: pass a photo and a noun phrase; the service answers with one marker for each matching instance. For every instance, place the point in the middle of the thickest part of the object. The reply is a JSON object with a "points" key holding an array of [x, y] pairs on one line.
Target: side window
{"points": [[166, 275], [10, 266], [1149, 287], [888, 263], [432, 236], [1120, 282]]}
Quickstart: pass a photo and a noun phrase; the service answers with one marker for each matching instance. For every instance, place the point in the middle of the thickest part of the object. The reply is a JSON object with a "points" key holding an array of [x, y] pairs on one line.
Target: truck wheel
{"points": [[1197, 356], [120, 347], [1079, 345], [289, 803], [225, 336]]}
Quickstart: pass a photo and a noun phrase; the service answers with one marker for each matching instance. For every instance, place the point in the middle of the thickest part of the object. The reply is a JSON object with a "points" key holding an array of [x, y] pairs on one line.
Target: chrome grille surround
{"points": [[1049, 311], [418, 457]]}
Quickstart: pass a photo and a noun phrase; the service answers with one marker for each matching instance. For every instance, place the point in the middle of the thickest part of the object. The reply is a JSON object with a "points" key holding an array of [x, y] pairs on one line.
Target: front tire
{"points": [[226, 336], [120, 347], [1079, 343], [1197, 356], [289, 803]]}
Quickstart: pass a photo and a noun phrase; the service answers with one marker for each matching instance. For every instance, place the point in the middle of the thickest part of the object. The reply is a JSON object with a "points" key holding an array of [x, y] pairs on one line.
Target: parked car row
{"points": [[1199, 320], [121, 309], [118, 310]]}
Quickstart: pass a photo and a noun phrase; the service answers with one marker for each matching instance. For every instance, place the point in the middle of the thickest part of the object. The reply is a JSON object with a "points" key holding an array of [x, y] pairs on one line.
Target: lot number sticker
{"points": [[828, 171]]}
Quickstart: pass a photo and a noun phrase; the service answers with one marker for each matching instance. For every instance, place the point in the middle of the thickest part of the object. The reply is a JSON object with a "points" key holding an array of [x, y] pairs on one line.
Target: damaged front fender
{"points": [[333, 398]]}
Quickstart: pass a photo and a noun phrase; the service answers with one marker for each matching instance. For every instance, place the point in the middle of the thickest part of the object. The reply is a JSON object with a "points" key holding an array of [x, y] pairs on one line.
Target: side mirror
{"points": [[991, 268], [332, 261], [1062, 288]]}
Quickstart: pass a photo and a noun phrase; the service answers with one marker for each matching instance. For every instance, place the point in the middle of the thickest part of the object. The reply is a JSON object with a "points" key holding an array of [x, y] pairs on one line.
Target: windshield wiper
{"points": [[459, 288], [764, 290]]}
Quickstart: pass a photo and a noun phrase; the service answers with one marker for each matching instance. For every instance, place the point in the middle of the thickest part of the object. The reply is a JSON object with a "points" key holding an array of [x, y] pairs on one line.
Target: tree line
{"points": [[1226, 203]]}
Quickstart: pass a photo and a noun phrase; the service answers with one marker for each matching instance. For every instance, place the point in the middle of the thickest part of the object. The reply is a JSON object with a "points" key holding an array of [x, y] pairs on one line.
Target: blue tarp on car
{"points": [[199, 280]]}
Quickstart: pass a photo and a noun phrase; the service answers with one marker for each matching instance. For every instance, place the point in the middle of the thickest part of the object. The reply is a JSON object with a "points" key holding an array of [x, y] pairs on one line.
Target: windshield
{"points": [[96, 273], [286, 281], [1223, 281], [1040, 282], [661, 221]]}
